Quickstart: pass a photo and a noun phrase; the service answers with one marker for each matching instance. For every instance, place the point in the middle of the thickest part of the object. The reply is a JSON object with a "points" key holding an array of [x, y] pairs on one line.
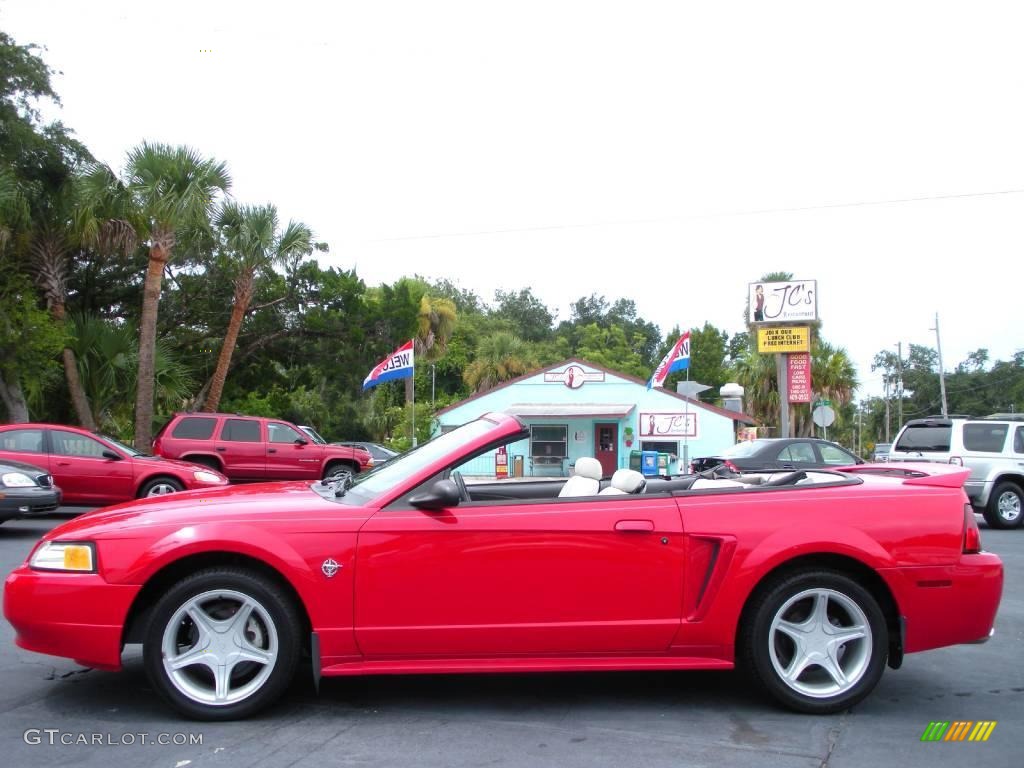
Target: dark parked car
{"points": [[25, 490], [779, 453], [379, 452]]}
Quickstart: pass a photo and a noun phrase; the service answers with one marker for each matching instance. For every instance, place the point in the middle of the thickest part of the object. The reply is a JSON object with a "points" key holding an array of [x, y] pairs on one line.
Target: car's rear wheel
{"points": [[816, 641], [1004, 508], [222, 644], [161, 486]]}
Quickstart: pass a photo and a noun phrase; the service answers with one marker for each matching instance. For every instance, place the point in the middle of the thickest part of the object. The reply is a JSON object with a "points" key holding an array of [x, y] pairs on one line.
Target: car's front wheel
{"points": [[222, 644], [1004, 508], [816, 640], [161, 486]]}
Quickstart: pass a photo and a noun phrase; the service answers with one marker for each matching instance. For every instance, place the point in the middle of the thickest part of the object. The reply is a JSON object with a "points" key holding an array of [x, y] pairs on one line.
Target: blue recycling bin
{"points": [[649, 463]]}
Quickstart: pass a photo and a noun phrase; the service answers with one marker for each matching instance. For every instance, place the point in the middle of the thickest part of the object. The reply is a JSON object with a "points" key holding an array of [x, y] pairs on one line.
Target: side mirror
{"points": [[111, 455], [300, 441], [441, 495]]}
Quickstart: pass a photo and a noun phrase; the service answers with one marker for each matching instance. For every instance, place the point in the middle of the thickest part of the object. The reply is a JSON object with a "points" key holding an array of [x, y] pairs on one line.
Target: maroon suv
{"points": [[251, 448]]}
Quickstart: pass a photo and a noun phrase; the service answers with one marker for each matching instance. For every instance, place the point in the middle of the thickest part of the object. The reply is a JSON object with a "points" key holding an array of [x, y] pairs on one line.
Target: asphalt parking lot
{"points": [[626, 719]]}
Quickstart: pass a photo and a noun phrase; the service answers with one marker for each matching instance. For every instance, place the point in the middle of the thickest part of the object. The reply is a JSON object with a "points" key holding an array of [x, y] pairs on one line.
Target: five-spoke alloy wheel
{"points": [[816, 640], [222, 643]]}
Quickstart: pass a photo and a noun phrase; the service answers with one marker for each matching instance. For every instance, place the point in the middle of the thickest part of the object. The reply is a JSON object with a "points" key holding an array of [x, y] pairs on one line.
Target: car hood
{"points": [[252, 503], [20, 466]]}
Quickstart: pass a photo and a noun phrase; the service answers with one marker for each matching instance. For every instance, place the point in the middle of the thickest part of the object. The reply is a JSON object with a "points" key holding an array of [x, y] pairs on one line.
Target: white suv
{"points": [[992, 448]]}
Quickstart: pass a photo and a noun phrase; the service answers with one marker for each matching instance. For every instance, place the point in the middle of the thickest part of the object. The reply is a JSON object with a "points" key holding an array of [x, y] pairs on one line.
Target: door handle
{"points": [[635, 526], [221, 449], [787, 466], [271, 450], [63, 463]]}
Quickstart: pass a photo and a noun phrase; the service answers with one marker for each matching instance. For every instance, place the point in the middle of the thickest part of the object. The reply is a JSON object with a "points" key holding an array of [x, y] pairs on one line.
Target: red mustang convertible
{"points": [[813, 580]]}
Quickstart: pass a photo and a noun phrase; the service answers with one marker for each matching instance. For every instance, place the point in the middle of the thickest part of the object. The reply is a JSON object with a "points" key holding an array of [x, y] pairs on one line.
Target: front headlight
{"points": [[16, 480], [206, 477], [65, 556]]}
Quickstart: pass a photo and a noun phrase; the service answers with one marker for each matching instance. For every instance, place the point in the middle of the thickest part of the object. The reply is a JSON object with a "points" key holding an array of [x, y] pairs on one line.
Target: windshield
{"points": [[314, 435], [744, 449], [126, 448], [382, 478]]}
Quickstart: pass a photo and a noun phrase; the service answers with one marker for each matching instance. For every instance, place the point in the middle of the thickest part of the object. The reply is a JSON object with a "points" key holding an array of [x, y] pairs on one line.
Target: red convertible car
{"points": [[813, 580]]}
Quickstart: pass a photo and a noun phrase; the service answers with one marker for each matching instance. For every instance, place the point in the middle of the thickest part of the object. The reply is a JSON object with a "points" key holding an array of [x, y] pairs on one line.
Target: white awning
{"points": [[571, 410]]}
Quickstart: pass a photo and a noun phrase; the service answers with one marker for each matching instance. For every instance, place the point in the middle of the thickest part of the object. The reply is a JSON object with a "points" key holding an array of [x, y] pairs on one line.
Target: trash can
{"points": [[634, 460], [649, 463]]}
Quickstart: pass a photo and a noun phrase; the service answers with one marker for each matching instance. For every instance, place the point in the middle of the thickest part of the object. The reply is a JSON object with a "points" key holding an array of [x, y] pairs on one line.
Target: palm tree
{"points": [[171, 190], [756, 372], [72, 218], [107, 353], [435, 324], [251, 235], [500, 357], [833, 377], [13, 208]]}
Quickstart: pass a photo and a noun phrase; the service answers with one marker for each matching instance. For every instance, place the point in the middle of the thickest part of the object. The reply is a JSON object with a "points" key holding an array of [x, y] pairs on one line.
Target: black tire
{"points": [[1005, 506], [163, 485], [337, 469], [274, 622], [862, 660]]}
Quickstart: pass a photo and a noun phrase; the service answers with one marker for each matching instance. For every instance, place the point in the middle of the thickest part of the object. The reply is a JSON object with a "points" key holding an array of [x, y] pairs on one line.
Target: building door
{"points": [[606, 447]]}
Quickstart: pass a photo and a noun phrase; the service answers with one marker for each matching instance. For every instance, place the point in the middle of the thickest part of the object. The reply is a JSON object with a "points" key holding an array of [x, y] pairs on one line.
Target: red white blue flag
{"points": [[677, 359], [397, 365]]}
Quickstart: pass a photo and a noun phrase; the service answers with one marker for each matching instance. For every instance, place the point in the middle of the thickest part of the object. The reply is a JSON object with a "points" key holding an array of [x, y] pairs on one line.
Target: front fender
{"points": [[277, 551]]}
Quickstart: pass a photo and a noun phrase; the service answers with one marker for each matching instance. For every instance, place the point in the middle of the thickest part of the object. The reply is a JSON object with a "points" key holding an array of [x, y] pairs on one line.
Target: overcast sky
{"points": [[665, 152]]}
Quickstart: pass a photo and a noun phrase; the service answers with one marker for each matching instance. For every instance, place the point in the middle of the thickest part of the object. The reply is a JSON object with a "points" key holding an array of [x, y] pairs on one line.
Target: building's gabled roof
{"points": [[734, 415]]}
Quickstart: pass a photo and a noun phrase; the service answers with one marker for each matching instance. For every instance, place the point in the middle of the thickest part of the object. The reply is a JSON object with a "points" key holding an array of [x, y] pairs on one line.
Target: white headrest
{"points": [[628, 480], [588, 467]]}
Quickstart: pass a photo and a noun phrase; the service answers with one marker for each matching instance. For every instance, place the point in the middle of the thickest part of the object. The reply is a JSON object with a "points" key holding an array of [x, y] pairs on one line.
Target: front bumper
{"points": [[948, 604], [76, 615], [22, 502]]}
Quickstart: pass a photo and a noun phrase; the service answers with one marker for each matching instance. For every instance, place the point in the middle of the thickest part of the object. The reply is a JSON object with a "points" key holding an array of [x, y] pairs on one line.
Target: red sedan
{"points": [[815, 580], [94, 469]]}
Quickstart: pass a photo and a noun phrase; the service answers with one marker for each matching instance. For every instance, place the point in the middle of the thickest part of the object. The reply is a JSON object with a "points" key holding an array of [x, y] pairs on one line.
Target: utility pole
{"points": [[860, 412], [887, 410], [942, 375], [899, 386]]}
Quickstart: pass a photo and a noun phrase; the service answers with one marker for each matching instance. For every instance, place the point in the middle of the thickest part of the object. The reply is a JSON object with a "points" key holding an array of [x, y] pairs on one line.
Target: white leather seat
{"points": [[586, 481], [625, 481]]}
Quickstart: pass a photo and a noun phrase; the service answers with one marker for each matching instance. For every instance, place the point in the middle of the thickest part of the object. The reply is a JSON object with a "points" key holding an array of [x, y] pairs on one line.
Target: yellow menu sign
{"points": [[784, 339]]}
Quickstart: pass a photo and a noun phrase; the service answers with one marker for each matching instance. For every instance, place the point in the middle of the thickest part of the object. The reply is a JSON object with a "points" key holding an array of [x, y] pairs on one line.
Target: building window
{"points": [[549, 441], [660, 446]]}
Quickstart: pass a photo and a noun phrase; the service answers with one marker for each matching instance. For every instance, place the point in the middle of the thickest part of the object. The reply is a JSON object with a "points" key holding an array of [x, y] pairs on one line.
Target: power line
{"points": [[751, 212]]}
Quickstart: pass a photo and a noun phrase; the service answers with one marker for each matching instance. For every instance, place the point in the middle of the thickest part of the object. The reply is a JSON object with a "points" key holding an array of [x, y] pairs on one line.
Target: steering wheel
{"points": [[463, 492]]}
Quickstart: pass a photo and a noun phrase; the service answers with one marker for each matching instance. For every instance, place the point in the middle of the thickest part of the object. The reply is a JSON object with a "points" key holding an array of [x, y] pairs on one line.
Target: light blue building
{"points": [[576, 408]]}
